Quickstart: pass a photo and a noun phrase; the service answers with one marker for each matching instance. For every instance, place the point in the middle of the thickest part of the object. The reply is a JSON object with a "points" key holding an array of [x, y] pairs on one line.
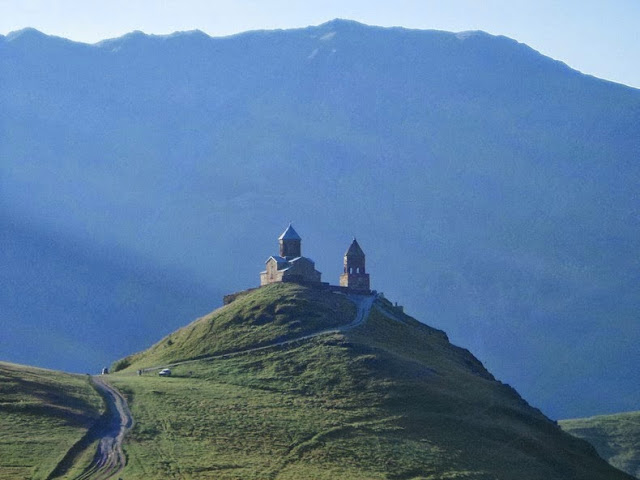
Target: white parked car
{"points": [[165, 372]]}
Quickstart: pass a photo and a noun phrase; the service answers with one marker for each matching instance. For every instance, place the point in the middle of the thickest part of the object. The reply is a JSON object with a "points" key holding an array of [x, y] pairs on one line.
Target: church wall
{"points": [[304, 269], [355, 281], [271, 274]]}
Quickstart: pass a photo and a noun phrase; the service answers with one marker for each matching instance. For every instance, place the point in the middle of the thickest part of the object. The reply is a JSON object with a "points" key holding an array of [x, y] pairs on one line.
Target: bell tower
{"points": [[355, 276], [290, 243]]}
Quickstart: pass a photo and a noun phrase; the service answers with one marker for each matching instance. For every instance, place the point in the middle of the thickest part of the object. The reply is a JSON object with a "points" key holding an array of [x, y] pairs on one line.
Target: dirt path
{"points": [[362, 302], [110, 459]]}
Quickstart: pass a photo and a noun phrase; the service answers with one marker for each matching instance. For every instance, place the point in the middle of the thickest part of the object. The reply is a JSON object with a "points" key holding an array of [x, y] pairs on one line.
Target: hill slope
{"points": [[616, 438], [500, 185], [391, 398], [261, 317], [43, 413]]}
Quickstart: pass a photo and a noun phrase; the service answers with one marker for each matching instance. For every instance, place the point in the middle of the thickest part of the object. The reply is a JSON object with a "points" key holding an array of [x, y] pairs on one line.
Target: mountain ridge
{"points": [[338, 23], [492, 189]]}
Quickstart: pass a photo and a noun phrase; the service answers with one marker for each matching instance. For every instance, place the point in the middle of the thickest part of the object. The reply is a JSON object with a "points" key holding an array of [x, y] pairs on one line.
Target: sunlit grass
{"points": [[42, 414]]}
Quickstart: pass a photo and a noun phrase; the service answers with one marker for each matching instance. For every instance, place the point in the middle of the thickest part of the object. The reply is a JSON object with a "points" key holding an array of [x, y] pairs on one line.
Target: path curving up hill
{"points": [[110, 458], [363, 304]]}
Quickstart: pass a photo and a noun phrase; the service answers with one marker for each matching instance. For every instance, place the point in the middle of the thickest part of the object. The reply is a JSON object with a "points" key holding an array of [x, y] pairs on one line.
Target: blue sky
{"points": [[596, 37]]}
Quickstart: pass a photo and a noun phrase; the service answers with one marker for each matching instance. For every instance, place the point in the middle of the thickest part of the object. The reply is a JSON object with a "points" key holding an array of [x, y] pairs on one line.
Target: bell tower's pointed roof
{"points": [[354, 250], [289, 234]]}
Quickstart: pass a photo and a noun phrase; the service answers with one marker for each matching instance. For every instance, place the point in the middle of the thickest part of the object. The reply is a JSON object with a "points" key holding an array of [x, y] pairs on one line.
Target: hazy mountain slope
{"points": [[494, 190], [616, 438], [389, 399], [84, 304], [43, 413]]}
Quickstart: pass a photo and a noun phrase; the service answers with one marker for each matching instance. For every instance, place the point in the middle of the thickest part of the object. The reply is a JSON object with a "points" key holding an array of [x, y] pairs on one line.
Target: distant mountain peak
{"points": [[28, 32], [472, 33], [341, 23], [189, 33], [137, 36], [136, 33], [32, 36]]}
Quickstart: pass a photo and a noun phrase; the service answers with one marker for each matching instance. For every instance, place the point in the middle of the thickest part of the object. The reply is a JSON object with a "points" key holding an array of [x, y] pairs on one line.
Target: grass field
{"points": [[616, 438], [42, 414], [390, 399]]}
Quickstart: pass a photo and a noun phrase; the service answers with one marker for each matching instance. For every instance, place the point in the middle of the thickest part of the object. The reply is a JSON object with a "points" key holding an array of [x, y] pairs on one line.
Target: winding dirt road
{"points": [[110, 458], [363, 304]]}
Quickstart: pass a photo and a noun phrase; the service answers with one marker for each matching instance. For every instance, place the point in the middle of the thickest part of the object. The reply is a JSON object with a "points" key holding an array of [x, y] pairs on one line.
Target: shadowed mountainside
{"points": [[493, 189]]}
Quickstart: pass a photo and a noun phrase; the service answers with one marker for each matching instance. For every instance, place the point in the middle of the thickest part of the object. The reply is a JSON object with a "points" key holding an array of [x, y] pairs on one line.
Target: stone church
{"points": [[291, 266]]}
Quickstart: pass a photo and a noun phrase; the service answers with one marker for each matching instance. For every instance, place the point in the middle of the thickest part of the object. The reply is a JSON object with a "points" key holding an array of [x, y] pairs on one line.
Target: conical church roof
{"points": [[289, 234], [354, 250]]}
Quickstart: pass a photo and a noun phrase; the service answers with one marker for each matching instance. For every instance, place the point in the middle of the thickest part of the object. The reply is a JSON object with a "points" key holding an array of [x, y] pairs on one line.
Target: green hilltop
{"points": [[615, 437], [257, 318], [389, 398]]}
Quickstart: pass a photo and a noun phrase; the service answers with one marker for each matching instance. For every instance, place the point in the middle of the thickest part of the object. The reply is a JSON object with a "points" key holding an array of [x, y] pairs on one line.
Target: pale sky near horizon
{"points": [[596, 37]]}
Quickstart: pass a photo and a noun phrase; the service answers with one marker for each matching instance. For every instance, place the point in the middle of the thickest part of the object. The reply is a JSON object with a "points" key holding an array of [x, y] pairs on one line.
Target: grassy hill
{"points": [[43, 413], [616, 438], [391, 398]]}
